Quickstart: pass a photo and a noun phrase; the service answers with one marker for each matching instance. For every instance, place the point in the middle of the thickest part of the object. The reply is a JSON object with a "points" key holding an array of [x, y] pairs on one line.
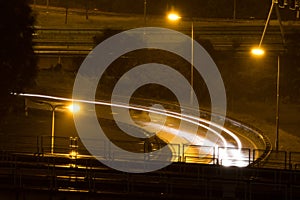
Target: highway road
{"points": [[64, 175], [231, 145]]}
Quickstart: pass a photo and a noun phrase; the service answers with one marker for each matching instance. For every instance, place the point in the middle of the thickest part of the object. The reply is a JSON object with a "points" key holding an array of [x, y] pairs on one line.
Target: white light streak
{"points": [[188, 118]]}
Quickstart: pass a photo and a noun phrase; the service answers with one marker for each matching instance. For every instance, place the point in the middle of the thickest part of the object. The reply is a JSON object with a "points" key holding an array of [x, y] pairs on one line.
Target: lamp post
{"points": [[277, 104], [53, 107], [73, 108], [259, 52], [175, 17], [192, 64], [47, 6]]}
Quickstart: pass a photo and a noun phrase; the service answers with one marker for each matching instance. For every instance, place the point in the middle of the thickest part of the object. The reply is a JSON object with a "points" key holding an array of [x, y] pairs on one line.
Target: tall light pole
{"points": [[277, 104], [47, 6], [53, 107], [234, 10], [72, 108], [192, 65], [175, 17], [259, 52]]}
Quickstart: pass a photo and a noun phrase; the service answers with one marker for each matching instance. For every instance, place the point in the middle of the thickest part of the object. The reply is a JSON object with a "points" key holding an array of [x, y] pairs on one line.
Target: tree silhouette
{"points": [[17, 59]]}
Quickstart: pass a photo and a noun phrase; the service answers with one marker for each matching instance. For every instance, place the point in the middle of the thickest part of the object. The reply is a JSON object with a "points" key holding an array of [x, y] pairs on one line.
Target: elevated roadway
{"points": [[221, 37]]}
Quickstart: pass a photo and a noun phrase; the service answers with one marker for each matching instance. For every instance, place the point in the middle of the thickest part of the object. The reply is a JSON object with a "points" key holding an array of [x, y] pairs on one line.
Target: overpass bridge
{"points": [[73, 44], [230, 37], [56, 177]]}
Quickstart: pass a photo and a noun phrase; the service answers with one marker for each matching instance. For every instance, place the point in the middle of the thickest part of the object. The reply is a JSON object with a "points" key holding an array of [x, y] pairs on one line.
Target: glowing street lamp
{"points": [[73, 108], [174, 17], [258, 51]]}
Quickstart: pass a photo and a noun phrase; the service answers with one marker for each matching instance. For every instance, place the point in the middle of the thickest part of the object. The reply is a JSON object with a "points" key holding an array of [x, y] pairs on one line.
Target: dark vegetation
{"points": [[17, 59]]}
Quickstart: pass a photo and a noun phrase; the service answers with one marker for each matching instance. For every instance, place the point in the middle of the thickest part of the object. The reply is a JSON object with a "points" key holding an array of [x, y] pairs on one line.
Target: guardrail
{"points": [[72, 147], [52, 176], [251, 132]]}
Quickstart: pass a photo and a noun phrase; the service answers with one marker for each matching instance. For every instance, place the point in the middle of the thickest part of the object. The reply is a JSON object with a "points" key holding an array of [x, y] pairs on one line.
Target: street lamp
{"points": [[47, 6], [258, 51], [172, 16], [73, 108]]}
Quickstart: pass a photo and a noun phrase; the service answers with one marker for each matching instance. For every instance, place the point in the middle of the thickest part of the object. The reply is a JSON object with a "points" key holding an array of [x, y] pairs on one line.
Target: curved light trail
{"points": [[206, 124]]}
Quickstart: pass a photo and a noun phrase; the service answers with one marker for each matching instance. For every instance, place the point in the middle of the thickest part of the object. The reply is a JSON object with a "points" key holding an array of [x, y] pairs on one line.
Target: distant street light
{"points": [[73, 108], [172, 16], [47, 6], [260, 52]]}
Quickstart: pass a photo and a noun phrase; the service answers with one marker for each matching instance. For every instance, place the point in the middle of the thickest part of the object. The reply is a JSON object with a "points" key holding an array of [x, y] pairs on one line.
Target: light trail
{"points": [[175, 115], [187, 118], [239, 144]]}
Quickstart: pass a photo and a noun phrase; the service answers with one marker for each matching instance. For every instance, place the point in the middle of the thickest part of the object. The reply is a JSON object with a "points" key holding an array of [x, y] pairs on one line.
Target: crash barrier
{"points": [[229, 156]]}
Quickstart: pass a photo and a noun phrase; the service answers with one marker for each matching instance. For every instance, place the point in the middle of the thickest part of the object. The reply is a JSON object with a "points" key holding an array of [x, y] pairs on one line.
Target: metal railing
{"points": [[230, 156], [54, 175]]}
